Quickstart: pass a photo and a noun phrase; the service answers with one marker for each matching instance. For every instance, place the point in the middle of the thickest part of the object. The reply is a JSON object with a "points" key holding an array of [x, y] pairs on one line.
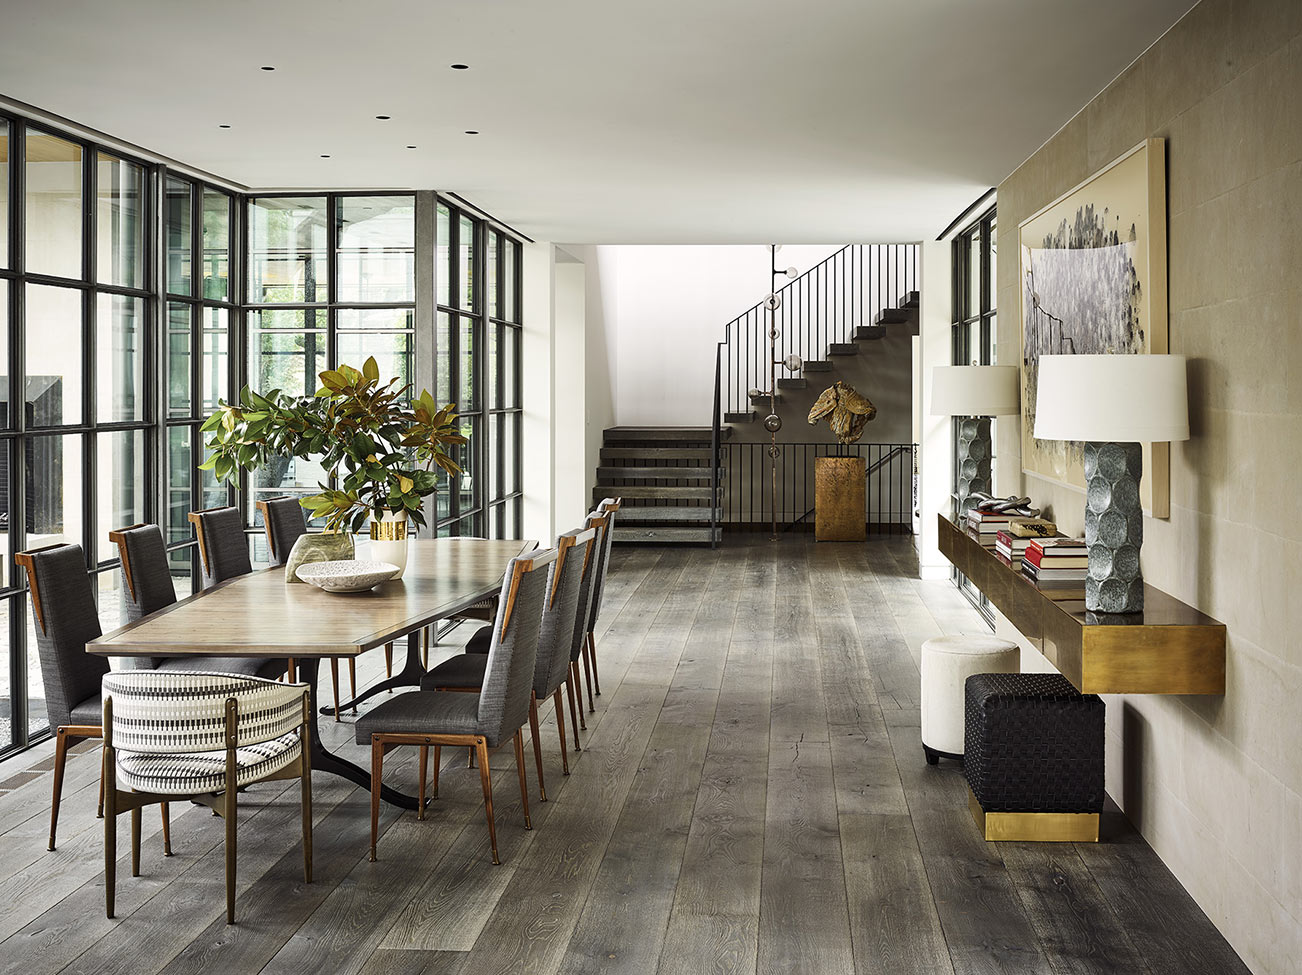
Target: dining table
{"points": [[259, 614]]}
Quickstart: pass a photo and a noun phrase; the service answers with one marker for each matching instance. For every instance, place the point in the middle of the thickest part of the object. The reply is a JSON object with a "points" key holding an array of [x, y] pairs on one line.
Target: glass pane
{"points": [[215, 347], [467, 488], [377, 248], [216, 244], [510, 367], [4, 252], [212, 494], [7, 735], [181, 562], [974, 273], [5, 420], [178, 359], [510, 458], [53, 200], [466, 362], [38, 719], [993, 276], [180, 468], [493, 485], [466, 262], [179, 242], [108, 595], [490, 368], [443, 361], [119, 226], [55, 477], [494, 263], [442, 267], [285, 360], [392, 351], [120, 359], [511, 307], [120, 488], [53, 332], [287, 258]]}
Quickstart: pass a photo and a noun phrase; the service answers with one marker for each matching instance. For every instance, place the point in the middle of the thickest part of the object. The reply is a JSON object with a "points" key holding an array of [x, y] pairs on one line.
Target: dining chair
{"points": [[583, 616], [223, 549], [63, 603], [285, 523], [466, 671], [608, 507], [479, 721], [147, 587], [202, 737]]}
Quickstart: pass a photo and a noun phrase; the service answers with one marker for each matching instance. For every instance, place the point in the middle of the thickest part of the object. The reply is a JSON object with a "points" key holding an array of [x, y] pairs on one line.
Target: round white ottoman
{"points": [[947, 663]]}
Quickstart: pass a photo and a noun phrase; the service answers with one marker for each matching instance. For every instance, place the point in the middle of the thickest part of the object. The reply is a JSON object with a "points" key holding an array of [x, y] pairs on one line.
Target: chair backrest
{"points": [[146, 578], [587, 589], [64, 605], [165, 712], [285, 523], [608, 507], [508, 672], [223, 549], [560, 615]]}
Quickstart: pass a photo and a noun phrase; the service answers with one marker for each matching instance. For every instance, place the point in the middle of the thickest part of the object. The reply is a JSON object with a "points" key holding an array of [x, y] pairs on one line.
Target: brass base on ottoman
{"points": [[1045, 827]]}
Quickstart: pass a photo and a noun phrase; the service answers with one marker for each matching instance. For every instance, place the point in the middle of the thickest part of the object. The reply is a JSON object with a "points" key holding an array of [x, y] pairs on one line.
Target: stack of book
{"points": [[984, 525], [1056, 562], [1010, 547]]}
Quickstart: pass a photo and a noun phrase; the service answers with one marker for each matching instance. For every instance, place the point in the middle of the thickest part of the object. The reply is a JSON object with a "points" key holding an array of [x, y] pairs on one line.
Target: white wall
{"points": [[570, 476], [671, 304], [935, 433], [538, 379]]}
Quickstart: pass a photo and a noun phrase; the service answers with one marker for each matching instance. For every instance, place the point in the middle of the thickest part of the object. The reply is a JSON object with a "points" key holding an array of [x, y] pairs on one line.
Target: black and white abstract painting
{"points": [[1091, 263]]}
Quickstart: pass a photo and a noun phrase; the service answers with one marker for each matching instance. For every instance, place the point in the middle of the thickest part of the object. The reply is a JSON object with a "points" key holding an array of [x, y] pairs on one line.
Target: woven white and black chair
{"points": [[608, 507], [466, 671], [223, 548], [66, 620], [147, 588], [201, 737], [479, 721]]}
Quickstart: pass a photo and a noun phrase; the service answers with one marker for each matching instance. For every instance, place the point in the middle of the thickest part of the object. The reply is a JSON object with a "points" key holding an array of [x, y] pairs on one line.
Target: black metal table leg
{"points": [[327, 761], [409, 676]]}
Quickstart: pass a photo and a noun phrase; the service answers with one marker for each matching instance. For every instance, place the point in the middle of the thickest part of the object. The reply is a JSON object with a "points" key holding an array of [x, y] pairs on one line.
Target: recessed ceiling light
{"points": [[411, 147], [383, 118], [223, 126], [325, 155], [460, 67], [472, 132], [268, 67]]}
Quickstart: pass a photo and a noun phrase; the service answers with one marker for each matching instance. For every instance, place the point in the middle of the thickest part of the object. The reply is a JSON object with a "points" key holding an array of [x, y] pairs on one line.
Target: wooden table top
{"points": [[259, 615]]}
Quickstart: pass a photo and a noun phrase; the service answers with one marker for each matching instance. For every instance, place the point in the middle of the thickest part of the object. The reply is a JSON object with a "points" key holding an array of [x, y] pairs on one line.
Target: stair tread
{"points": [[843, 348], [818, 365], [702, 534], [697, 492], [632, 472], [658, 453], [793, 383], [685, 434], [634, 514], [910, 299]]}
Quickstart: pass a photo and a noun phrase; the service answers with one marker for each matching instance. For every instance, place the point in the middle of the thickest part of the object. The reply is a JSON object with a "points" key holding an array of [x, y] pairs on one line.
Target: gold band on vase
{"points": [[389, 531]]}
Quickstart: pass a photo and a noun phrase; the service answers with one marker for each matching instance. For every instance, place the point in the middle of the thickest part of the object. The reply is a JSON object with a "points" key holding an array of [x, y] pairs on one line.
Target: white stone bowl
{"points": [[350, 575]]}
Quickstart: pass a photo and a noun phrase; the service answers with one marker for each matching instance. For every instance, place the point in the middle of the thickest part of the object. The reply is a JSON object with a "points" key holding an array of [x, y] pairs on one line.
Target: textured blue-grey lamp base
{"points": [[973, 459], [1114, 527]]}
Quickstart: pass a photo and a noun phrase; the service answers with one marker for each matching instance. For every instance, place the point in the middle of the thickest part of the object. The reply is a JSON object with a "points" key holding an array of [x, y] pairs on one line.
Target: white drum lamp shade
{"points": [[973, 390], [1112, 398]]}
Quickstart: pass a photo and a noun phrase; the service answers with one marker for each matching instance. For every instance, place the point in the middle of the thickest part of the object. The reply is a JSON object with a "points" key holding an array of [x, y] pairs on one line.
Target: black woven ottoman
{"points": [[1034, 757]]}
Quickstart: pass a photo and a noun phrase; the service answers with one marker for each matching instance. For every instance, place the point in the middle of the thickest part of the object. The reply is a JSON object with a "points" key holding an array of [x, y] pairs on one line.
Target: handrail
{"points": [[868, 472]]}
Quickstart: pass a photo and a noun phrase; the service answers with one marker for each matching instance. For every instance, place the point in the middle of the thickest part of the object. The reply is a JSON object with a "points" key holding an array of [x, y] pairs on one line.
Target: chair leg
{"points": [[60, 760], [388, 660], [110, 841], [578, 691], [377, 772], [135, 842], [524, 783], [291, 671], [574, 715], [305, 782], [587, 676], [537, 745], [486, 781], [420, 792], [166, 813], [560, 725], [352, 680], [231, 817], [99, 809], [334, 681], [438, 760], [592, 656]]}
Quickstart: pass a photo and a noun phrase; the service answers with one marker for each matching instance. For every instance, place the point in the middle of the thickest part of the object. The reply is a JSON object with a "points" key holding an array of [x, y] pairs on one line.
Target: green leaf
{"points": [[371, 370]]}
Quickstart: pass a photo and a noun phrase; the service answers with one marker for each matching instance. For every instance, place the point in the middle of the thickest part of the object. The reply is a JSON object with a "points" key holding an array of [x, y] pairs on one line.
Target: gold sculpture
{"points": [[850, 411]]}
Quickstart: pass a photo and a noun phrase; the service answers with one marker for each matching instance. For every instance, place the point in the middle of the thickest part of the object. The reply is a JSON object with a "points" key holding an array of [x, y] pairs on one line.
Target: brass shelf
{"points": [[1169, 648]]}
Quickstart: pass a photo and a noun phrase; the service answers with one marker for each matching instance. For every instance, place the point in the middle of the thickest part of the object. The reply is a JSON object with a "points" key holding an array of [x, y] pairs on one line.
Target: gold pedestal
{"points": [[1034, 827], [839, 486]]}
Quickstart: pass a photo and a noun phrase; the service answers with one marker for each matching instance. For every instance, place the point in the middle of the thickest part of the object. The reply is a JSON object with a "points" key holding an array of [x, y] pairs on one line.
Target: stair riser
{"points": [[632, 514], [667, 535], [655, 453], [701, 493], [607, 474]]}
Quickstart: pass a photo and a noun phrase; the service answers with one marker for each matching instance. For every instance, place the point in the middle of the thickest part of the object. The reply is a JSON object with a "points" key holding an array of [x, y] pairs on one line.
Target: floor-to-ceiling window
{"points": [[477, 366], [77, 409]]}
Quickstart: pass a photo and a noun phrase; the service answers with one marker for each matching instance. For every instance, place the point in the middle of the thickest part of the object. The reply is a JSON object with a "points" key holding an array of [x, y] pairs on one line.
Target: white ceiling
{"points": [[601, 121]]}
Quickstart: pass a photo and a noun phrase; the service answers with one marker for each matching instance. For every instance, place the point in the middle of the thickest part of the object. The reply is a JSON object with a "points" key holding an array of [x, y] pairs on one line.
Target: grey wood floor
{"points": [[751, 797]]}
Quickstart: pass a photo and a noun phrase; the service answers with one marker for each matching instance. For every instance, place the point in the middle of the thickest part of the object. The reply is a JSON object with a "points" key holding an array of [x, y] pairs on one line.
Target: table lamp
{"points": [[1112, 403], [975, 394]]}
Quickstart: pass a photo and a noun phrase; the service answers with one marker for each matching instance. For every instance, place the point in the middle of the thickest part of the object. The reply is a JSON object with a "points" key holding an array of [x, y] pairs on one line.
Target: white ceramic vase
{"points": [[389, 540]]}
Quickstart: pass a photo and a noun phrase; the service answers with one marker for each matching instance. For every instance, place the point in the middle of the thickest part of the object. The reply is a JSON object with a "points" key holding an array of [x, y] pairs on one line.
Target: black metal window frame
{"points": [[17, 435], [497, 512]]}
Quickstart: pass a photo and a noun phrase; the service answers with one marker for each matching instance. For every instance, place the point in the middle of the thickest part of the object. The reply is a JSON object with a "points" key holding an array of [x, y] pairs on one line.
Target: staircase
{"points": [[665, 478]]}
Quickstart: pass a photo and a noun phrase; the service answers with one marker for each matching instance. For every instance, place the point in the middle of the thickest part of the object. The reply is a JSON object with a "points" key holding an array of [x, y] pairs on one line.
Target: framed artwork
{"points": [[1093, 276]]}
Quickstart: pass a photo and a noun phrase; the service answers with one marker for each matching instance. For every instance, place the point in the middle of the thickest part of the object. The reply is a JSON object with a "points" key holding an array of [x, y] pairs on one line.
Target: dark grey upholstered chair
{"points": [[223, 549], [66, 620], [465, 671], [148, 588], [482, 720], [583, 615], [608, 507], [284, 522]]}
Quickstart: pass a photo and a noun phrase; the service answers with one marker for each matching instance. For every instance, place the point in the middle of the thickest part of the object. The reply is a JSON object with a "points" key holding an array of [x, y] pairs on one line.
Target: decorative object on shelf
{"points": [[1013, 506], [325, 547], [840, 493], [1093, 272], [389, 540], [1114, 403], [972, 395], [383, 452], [1032, 528], [846, 409], [350, 575]]}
